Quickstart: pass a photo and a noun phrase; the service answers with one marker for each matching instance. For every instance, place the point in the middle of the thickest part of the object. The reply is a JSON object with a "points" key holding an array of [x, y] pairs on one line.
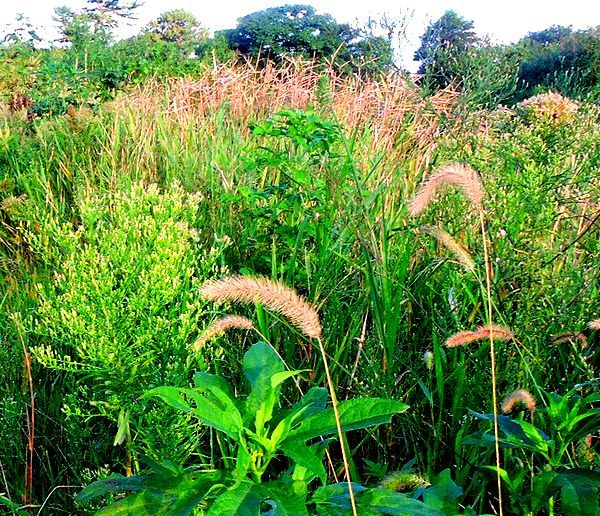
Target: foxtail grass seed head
{"points": [[403, 481], [570, 337], [220, 326], [460, 175], [480, 334], [428, 358], [460, 253], [519, 396], [271, 294], [594, 325]]}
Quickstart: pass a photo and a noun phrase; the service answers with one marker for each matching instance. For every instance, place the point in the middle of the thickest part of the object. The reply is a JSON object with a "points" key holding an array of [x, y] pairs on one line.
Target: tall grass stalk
{"points": [[298, 312], [488, 285]]}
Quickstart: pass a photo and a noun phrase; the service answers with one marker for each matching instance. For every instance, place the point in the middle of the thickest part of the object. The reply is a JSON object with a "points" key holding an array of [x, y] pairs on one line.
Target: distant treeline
{"points": [[87, 64]]}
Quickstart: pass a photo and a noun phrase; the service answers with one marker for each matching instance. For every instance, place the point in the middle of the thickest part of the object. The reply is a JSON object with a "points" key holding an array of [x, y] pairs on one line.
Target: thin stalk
{"points": [[338, 423], [488, 283], [30, 423]]}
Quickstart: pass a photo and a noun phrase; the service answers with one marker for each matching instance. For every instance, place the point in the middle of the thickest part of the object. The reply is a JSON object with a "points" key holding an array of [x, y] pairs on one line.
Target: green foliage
{"points": [[561, 59], [257, 431], [119, 313], [558, 457], [179, 27], [443, 46], [298, 31]]}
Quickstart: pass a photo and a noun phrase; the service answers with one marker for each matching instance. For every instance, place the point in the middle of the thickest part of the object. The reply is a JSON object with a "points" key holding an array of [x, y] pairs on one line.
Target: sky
{"points": [[503, 21]]}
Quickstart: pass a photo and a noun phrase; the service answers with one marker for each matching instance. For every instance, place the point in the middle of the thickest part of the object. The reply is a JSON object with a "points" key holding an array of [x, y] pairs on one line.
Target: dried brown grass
{"points": [[380, 108]]}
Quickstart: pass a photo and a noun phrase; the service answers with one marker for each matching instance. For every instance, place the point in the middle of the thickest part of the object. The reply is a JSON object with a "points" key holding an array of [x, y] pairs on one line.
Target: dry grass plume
{"points": [[594, 325], [271, 294], [460, 175], [221, 326], [459, 251], [482, 333], [519, 396]]}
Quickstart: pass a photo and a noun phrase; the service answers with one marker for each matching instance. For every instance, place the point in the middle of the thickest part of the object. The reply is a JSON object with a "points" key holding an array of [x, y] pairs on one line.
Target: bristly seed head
{"points": [[461, 254], [594, 325], [273, 295], [458, 174], [222, 325], [519, 396], [482, 333], [570, 337]]}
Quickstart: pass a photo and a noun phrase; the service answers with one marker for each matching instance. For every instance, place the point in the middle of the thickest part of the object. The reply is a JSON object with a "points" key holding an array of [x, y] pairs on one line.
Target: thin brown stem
{"points": [[338, 423], [488, 282], [27, 500]]}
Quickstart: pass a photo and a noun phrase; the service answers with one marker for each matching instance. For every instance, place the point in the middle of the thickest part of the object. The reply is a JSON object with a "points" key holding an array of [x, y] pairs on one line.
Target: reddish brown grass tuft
{"points": [[519, 396], [460, 175], [482, 333]]}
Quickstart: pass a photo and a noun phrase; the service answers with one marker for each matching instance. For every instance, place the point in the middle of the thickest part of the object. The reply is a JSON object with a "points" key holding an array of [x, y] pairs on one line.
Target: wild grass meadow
{"points": [[288, 290]]}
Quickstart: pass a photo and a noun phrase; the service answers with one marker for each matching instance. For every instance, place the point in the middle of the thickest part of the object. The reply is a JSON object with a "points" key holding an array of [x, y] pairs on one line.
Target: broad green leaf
{"points": [[306, 457], [579, 491], [278, 378], [208, 381], [116, 484], [239, 500], [284, 502], [261, 363], [142, 504], [333, 500], [122, 428], [503, 475], [242, 463], [443, 494], [354, 414], [171, 395], [214, 409]]}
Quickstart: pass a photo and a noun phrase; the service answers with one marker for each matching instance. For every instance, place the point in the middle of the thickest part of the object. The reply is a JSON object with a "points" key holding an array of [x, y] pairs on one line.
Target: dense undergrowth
{"points": [[111, 219]]}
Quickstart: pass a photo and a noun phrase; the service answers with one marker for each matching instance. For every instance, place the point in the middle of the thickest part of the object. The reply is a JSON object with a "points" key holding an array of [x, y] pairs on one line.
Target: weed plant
{"points": [[303, 177]]}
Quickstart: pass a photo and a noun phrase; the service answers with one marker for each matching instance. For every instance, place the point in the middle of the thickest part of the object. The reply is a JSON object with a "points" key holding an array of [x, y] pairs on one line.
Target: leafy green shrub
{"points": [[558, 456], [256, 432], [120, 312]]}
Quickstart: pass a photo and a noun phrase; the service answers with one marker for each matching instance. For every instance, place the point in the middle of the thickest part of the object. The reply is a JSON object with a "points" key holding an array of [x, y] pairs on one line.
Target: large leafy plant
{"points": [[558, 458], [270, 455]]}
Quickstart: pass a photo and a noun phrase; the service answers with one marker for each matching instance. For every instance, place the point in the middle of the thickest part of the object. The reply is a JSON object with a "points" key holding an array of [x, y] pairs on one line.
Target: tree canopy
{"points": [[298, 30], [443, 44]]}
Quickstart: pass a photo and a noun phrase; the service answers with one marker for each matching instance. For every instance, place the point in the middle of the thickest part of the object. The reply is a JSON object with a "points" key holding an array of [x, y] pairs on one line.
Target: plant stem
{"points": [[338, 423], [488, 282], [27, 500]]}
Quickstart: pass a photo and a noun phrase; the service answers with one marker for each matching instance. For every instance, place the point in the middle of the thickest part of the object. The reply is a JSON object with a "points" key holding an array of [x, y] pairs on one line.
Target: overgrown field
{"points": [[112, 220]]}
